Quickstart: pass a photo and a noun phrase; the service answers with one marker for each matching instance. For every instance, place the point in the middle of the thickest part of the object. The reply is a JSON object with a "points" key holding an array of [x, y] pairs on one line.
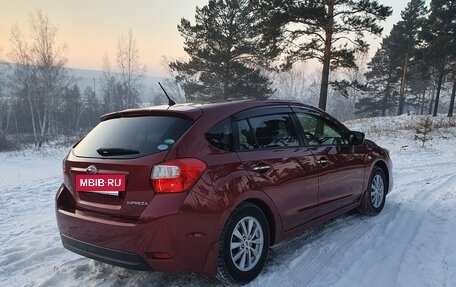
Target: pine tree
{"points": [[91, 109], [423, 128], [440, 38], [224, 54], [398, 65], [71, 109], [330, 31], [453, 94], [382, 82], [419, 80], [406, 33]]}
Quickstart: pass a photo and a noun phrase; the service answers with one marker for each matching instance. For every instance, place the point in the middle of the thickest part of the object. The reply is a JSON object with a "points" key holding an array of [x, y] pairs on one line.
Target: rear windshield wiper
{"points": [[116, 151]]}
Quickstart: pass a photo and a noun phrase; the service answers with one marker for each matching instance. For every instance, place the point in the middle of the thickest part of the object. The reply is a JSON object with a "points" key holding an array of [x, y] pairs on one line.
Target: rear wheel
{"points": [[244, 245], [374, 199]]}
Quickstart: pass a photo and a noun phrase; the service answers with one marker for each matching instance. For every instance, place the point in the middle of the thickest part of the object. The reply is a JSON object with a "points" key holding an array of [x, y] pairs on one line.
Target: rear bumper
{"points": [[106, 255], [171, 235]]}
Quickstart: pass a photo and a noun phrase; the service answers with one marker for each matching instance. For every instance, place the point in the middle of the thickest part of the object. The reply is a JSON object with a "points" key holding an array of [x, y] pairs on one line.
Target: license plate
{"points": [[100, 183]]}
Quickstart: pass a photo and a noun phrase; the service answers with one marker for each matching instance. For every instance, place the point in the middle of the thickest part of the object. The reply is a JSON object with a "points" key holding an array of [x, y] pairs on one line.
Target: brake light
{"points": [[176, 175]]}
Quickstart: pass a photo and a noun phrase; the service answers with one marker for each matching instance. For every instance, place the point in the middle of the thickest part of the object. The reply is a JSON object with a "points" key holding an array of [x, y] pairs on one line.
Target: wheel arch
{"points": [[269, 217], [266, 205]]}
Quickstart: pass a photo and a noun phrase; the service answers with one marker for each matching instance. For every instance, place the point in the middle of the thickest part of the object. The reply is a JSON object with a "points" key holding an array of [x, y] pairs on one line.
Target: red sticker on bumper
{"points": [[100, 182]]}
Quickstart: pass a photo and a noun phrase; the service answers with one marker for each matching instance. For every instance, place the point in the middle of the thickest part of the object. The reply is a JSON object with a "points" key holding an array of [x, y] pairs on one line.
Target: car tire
{"points": [[244, 245], [374, 199]]}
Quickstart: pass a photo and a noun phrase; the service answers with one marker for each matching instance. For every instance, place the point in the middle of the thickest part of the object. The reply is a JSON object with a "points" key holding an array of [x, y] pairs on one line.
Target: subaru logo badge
{"points": [[92, 169]]}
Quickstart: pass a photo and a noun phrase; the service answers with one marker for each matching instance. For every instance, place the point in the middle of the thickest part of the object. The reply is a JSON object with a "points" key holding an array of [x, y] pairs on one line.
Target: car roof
{"points": [[195, 110]]}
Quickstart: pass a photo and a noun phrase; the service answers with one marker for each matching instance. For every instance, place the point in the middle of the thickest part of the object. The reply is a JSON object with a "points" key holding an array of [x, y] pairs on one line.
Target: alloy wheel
{"points": [[246, 244], [377, 191]]}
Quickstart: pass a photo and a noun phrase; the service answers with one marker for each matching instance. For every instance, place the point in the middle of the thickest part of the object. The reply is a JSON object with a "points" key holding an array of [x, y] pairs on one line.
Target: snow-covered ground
{"points": [[411, 243]]}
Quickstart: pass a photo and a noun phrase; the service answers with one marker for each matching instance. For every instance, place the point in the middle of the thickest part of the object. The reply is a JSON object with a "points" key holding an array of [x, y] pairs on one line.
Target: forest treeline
{"points": [[244, 49]]}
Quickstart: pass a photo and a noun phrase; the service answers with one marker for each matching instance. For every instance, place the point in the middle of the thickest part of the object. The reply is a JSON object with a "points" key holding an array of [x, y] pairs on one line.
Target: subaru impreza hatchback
{"points": [[209, 188]]}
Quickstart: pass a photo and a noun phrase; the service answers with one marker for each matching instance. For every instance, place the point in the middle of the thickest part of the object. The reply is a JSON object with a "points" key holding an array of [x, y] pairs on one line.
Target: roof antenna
{"points": [[170, 102]]}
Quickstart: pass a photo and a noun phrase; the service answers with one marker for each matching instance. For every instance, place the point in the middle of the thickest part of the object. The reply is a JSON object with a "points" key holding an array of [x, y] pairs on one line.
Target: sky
{"points": [[90, 28]]}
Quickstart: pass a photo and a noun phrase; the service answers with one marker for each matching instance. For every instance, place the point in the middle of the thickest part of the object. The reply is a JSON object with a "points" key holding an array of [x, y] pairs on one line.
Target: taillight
{"points": [[176, 175]]}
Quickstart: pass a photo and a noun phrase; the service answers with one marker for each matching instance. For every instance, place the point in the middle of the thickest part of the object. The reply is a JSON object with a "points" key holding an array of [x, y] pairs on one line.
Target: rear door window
{"points": [[131, 137], [268, 131]]}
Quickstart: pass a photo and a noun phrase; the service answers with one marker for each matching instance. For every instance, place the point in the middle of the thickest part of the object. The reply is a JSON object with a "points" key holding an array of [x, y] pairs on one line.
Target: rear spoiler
{"points": [[190, 114]]}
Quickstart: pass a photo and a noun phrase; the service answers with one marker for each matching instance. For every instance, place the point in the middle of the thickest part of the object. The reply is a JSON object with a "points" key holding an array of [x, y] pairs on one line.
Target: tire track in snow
{"points": [[394, 241], [30, 235], [313, 251], [399, 223], [436, 263]]}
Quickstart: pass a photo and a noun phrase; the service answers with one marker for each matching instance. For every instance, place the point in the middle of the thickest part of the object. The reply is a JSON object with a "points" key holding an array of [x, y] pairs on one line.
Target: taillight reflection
{"points": [[176, 175]]}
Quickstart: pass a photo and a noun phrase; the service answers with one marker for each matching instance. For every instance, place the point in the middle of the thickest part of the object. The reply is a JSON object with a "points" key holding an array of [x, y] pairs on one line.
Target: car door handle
{"points": [[323, 161], [261, 168]]}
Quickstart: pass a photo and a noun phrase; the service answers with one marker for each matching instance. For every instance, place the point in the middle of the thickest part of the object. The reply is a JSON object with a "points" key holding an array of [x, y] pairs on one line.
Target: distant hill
{"points": [[85, 78]]}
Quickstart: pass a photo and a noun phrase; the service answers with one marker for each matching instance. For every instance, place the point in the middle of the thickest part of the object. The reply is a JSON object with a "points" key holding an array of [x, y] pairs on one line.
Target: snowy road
{"points": [[411, 243]]}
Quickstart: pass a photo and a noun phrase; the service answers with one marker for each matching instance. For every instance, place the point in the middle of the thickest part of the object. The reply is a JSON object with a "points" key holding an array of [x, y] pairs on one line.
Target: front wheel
{"points": [[374, 199], [244, 245]]}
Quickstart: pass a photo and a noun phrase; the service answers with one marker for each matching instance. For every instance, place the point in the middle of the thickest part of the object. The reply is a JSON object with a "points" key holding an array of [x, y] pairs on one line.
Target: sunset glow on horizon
{"points": [[90, 29]]}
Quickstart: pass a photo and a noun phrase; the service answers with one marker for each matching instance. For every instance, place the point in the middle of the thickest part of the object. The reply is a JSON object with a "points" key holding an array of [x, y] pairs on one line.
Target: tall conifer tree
{"points": [[440, 37], [382, 82], [224, 54], [332, 31], [406, 40]]}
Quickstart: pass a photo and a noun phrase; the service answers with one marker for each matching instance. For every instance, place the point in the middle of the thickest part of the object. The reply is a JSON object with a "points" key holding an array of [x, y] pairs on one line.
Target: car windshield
{"points": [[131, 137]]}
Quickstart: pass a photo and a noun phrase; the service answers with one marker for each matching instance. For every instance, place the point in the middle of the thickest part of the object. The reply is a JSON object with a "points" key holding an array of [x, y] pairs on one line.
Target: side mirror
{"points": [[356, 138]]}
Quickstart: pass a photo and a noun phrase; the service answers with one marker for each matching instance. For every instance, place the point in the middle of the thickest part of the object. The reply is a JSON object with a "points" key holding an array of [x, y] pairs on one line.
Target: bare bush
{"points": [[5, 144]]}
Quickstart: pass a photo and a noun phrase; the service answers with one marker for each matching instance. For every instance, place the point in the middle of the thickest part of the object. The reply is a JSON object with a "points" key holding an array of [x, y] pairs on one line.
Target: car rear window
{"points": [[131, 137]]}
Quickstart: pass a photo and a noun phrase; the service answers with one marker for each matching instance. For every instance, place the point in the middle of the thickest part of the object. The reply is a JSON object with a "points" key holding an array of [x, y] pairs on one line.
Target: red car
{"points": [[209, 188]]}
